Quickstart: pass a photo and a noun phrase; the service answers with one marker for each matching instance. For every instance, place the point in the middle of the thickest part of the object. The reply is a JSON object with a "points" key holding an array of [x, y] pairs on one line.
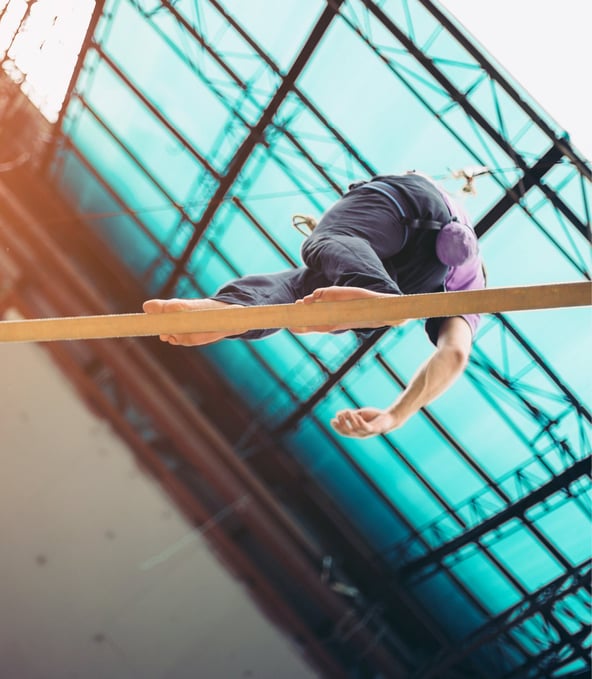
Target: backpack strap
{"points": [[391, 193], [456, 242]]}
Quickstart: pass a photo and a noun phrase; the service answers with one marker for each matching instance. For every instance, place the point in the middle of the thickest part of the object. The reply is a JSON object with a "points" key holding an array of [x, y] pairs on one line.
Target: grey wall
{"points": [[100, 576]]}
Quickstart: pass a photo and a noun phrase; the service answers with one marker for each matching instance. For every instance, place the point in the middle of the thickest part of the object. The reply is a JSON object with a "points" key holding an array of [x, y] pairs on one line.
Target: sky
{"points": [[545, 46], [56, 44]]}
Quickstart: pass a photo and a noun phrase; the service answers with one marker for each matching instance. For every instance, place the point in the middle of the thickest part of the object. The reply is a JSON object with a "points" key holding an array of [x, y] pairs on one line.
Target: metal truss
{"points": [[558, 458], [483, 129], [534, 619], [254, 138], [192, 461], [570, 484], [6, 62], [355, 155], [450, 89]]}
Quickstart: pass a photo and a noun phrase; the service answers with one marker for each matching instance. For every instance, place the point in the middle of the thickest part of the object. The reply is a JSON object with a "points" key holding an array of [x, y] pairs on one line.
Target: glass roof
{"points": [[196, 129]]}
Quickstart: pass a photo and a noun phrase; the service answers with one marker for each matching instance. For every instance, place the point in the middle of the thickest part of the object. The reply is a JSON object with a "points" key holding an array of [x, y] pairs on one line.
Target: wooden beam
{"points": [[360, 312]]}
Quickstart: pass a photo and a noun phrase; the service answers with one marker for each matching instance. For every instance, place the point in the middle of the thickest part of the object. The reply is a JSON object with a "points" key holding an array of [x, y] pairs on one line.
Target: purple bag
{"points": [[456, 243]]}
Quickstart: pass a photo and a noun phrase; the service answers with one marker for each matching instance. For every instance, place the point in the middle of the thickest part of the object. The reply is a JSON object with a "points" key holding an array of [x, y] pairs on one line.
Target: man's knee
{"points": [[308, 249], [314, 248]]}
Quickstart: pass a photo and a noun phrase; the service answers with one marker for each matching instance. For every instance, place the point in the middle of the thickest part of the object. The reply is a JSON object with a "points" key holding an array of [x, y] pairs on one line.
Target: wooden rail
{"points": [[359, 311]]}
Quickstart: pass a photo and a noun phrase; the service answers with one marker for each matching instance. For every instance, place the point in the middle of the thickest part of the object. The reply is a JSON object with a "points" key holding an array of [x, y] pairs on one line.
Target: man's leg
{"points": [[284, 287], [353, 238]]}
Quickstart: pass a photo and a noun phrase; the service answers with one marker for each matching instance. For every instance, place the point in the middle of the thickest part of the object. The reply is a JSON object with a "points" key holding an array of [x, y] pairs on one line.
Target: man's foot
{"points": [[336, 293], [160, 306]]}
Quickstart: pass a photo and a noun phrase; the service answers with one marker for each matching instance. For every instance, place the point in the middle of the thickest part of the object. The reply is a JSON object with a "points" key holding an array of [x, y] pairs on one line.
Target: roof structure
{"points": [[191, 132]]}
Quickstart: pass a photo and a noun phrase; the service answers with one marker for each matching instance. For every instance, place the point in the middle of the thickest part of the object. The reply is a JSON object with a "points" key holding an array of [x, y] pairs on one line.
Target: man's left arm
{"points": [[432, 379], [453, 339]]}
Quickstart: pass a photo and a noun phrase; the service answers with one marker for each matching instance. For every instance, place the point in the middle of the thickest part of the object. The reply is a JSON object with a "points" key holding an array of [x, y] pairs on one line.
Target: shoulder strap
{"points": [[391, 193]]}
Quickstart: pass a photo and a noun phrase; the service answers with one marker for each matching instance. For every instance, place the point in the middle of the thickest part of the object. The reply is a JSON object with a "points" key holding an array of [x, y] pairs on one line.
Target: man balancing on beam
{"points": [[392, 235]]}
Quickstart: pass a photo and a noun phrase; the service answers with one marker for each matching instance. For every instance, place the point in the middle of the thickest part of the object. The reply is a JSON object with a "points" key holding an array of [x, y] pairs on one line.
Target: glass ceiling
{"points": [[196, 129]]}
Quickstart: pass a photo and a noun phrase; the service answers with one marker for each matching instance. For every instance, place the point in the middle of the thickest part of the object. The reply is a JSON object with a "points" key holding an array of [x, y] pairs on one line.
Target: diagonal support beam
{"points": [[473, 112], [357, 313], [255, 137], [517, 509], [514, 194]]}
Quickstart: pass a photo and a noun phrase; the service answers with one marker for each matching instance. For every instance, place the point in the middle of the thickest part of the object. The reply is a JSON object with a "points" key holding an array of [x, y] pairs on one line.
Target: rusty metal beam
{"points": [[255, 137], [295, 559], [86, 43]]}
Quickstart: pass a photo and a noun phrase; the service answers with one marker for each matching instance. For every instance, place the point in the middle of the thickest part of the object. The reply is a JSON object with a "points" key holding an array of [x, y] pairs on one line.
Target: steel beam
{"points": [[255, 137], [204, 449], [515, 510], [571, 581]]}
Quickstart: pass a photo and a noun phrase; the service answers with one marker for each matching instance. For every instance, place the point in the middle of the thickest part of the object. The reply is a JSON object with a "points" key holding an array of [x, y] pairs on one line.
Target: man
{"points": [[392, 235]]}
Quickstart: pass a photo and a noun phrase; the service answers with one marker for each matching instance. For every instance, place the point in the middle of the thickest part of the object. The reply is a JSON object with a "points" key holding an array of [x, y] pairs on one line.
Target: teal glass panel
{"points": [[210, 270], [291, 23], [150, 71], [530, 562], [387, 467], [485, 581], [536, 634], [263, 257], [257, 79], [572, 669], [136, 248], [561, 519], [573, 614], [212, 52], [303, 375], [332, 350], [246, 375], [328, 467], [437, 461], [131, 183], [143, 134], [458, 616], [328, 82]]}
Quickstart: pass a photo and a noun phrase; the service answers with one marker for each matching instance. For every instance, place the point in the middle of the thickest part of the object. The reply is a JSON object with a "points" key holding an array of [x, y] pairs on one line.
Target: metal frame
{"points": [[489, 136]]}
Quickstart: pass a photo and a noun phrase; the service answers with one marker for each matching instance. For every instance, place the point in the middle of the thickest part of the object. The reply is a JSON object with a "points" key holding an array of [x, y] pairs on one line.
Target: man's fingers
{"points": [[348, 430], [350, 421]]}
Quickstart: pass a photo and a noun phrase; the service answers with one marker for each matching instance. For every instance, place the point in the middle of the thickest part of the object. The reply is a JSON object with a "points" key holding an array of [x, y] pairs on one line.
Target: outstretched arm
{"points": [[434, 377]]}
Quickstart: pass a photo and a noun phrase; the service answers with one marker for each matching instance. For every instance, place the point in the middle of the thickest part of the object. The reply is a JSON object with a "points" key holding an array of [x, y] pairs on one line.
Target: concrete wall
{"points": [[100, 575]]}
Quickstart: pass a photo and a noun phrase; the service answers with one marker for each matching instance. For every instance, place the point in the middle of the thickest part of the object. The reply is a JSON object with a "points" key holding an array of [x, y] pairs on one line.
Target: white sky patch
{"points": [[45, 51], [545, 46]]}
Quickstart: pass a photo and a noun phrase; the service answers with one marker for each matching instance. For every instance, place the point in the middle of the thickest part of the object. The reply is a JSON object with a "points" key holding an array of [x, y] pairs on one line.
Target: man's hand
{"points": [[364, 422], [436, 375]]}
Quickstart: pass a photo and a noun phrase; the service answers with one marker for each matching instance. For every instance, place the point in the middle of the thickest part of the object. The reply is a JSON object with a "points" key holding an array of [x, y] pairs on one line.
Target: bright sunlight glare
{"points": [[42, 54]]}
